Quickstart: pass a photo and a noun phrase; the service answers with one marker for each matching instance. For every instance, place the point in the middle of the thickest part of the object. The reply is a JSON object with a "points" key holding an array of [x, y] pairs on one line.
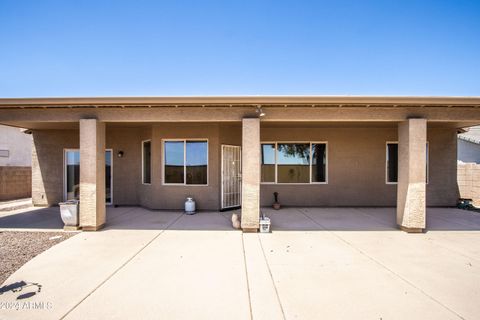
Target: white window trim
{"points": [[276, 143], [427, 173], [184, 163], [143, 162], [65, 150]]}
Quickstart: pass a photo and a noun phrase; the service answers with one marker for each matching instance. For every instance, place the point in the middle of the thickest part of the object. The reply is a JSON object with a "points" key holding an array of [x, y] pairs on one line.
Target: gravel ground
{"points": [[18, 247]]}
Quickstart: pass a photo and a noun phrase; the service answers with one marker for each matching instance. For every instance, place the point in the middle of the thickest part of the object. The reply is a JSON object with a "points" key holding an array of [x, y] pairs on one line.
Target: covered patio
{"points": [[339, 151]]}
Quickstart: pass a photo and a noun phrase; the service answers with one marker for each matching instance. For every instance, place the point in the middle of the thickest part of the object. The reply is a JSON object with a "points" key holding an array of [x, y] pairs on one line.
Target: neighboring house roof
{"points": [[468, 139], [471, 135], [362, 101]]}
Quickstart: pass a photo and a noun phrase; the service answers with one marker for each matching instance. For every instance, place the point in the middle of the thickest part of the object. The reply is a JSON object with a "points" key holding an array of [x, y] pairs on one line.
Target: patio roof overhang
{"points": [[44, 113], [247, 101]]}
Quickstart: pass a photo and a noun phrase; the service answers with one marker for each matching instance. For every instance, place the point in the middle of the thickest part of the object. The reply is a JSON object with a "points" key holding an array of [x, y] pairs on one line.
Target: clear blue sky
{"points": [[152, 48]]}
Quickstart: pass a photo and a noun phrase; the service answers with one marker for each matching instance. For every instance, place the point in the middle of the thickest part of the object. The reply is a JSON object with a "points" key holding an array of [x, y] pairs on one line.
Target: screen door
{"points": [[231, 176]]}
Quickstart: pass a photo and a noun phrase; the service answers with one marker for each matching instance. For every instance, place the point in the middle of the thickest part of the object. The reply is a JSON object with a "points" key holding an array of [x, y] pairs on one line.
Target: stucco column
{"points": [[250, 174], [92, 174], [411, 210]]}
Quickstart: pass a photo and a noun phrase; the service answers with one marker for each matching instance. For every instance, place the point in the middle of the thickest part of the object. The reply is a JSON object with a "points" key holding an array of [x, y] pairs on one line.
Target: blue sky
{"points": [[155, 48]]}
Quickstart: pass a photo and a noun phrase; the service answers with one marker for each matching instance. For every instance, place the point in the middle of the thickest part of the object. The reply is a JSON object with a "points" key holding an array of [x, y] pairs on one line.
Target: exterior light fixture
{"points": [[120, 154], [260, 111]]}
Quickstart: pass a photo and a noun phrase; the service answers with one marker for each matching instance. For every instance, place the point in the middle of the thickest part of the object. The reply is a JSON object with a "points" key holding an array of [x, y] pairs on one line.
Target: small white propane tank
{"points": [[190, 206]]}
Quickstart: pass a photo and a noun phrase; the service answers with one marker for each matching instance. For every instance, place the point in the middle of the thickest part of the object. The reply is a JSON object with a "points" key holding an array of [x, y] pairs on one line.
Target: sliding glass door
{"points": [[72, 175]]}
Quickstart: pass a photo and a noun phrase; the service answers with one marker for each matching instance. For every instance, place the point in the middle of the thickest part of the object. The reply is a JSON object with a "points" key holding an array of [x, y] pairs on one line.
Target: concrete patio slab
{"points": [[319, 275], [180, 275], [324, 263]]}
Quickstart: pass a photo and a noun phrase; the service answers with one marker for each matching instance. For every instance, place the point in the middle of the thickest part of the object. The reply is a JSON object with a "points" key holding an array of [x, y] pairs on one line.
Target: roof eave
{"points": [[244, 100]]}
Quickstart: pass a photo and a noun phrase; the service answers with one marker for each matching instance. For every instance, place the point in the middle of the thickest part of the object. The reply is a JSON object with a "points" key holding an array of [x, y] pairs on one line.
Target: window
{"points": [[319, 162], [392, 162], [146, 161], [268, 163], [72, 174], [186, 162], [294, 162], [4, 153]]}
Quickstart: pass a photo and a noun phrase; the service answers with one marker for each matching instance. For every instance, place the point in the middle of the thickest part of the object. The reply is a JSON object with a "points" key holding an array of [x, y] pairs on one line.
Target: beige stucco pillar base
{"points": [[93, 228], [411, 208], [92, 174], [410, 230], [250, 174]]}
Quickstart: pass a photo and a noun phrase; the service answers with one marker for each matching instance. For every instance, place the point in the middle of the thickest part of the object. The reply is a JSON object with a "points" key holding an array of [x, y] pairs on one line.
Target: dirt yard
{"points": [[18, 247]]}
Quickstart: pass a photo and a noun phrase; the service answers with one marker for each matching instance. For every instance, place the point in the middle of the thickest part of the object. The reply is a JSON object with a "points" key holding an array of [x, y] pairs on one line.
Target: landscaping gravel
{"points": [[18, 247]]}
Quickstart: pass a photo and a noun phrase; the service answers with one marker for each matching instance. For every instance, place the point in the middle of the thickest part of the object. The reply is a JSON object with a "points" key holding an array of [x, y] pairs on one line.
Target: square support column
{"points": [[411, 207], [92, 174], [250, 174]]}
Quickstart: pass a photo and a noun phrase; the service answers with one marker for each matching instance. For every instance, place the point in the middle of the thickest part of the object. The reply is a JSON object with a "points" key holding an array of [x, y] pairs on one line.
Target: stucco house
{"points": [[237, 151]]}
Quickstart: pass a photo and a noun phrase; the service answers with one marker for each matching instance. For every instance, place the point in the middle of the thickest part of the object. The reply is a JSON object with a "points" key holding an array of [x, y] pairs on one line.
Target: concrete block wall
{"points": [[468, 175], [15, 183], [47, 164]]}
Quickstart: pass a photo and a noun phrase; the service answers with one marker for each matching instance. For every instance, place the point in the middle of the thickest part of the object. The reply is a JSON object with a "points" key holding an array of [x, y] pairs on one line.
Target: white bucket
{"points": [[265, 225]]}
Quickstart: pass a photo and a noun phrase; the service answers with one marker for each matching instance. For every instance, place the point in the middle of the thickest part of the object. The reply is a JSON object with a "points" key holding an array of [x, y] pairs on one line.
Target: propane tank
{"points": [[190, 206]]}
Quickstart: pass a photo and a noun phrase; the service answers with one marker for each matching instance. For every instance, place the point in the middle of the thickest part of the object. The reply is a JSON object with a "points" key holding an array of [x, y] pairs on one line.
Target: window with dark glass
{"points": [[319, 162], [392, 162], [186, 162], [146, 162], [268, 162]]}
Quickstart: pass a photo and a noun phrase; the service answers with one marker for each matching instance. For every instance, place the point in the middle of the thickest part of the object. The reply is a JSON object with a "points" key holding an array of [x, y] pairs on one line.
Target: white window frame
{"points": [[65, 150], [276, 143], [143, 162], [427, 160], [185, 163]]}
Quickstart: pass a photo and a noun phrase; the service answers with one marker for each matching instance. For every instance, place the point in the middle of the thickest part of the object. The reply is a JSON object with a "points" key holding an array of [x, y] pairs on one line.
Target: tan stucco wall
{"points": [[47, 164], [356, 168], [173, 196], [356, 165], [126, 170], [442, 188]]}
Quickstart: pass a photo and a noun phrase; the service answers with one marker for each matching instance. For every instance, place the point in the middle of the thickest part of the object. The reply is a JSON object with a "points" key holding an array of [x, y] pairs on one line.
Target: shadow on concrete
{"points": [[34, 218], [285, 219], [131, 218]]}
